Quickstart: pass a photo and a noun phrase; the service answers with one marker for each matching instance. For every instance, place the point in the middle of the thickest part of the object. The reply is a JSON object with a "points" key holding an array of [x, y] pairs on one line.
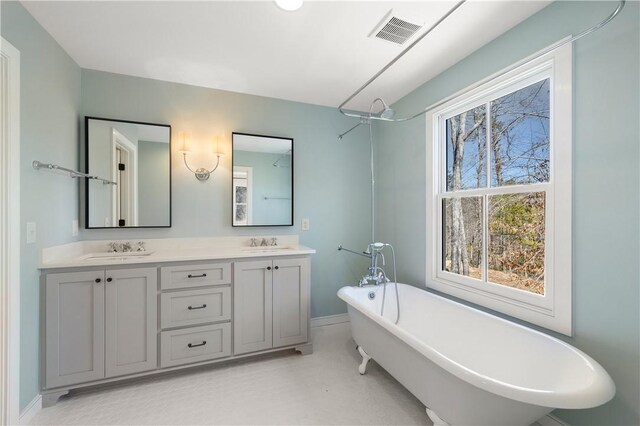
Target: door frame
{"points": [[10, 234], [246, 174], [121, 141]]}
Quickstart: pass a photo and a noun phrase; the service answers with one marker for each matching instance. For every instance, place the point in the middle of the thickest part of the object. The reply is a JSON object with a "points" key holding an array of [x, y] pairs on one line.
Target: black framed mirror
{"points": [[135, 158], [262, 184]]}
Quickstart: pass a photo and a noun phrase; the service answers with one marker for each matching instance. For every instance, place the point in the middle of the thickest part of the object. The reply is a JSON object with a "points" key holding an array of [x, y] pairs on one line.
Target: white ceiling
{"points": [[319, 54]]}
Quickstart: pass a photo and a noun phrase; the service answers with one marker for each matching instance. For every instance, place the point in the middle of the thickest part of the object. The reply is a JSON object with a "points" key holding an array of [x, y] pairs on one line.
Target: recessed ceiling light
{"points": [[289, 5]]}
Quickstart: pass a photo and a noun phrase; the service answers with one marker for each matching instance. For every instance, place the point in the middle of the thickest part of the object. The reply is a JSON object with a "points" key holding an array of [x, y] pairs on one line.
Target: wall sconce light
{"points": [[201, 173]]}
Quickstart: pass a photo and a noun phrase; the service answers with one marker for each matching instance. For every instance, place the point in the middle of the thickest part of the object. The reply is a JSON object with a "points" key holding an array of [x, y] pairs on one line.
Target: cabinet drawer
{"points": [[184, 276], [194, 307], [195, 344]]}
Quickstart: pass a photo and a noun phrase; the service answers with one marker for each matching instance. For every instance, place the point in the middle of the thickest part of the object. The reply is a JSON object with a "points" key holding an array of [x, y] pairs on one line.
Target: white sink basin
{"points": [[131, 255]]}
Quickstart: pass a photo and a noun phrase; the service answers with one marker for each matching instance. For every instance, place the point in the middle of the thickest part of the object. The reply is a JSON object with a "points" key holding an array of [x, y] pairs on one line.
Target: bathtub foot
{"points": [[365, 360], [437, 421]]}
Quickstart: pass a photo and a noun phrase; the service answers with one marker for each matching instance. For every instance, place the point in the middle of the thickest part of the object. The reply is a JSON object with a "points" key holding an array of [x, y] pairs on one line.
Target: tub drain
{"points": [[372, 295]]}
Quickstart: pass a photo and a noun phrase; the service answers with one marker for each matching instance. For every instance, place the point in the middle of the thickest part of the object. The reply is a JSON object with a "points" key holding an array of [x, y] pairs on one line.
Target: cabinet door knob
{"points": [[109, 279], [268, 268], [98, 280], [277, 267]]}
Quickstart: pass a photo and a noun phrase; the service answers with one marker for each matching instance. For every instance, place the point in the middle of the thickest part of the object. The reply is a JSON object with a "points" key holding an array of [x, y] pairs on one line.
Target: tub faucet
{"points": [[375, 277], [376, 274]]}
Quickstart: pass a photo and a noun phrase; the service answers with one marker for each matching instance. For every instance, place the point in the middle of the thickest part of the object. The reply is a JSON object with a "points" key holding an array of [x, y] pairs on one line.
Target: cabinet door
{"points": [[290, 301], [131, 321], [252, 306], [74, 328]]}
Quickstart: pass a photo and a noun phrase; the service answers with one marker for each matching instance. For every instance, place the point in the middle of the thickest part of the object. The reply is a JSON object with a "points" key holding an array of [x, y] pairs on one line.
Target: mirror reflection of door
{"points": [[125, 174], [136, 157], [242, 195]]}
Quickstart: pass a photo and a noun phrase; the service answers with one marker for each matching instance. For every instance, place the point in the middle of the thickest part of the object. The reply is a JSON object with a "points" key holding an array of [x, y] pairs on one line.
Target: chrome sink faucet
{"points": [[253, 242], [264, 243]]}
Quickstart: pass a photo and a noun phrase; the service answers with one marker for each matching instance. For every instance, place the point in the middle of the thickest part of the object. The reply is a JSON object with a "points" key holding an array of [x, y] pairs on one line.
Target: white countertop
{"points": [[85, 253]]}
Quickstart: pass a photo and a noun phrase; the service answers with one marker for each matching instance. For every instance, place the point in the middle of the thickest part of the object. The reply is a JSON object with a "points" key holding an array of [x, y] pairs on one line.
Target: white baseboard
{"points": [[330, 319], [30, 410], [550, 420]]}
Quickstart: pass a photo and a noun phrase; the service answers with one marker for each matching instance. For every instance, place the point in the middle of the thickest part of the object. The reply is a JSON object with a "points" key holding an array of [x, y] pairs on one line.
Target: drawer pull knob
{"points": [[196, 276], [268, 268], [204, 305], [195, 345]]}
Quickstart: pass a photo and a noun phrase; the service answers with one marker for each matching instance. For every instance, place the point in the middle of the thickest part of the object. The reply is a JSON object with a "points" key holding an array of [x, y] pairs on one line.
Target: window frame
{"points": [[553, 310]]}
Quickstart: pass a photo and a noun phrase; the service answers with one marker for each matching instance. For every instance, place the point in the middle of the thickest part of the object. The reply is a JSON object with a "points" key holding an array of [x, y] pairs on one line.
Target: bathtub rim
{"points": [[603, 387]]}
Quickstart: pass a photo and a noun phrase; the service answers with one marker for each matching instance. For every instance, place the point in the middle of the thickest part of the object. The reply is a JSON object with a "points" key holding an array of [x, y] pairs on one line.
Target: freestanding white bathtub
{"points": [[469, 367]]}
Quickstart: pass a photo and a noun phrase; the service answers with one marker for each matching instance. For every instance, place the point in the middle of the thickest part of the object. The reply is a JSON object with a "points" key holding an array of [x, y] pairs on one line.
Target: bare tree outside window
{"points": [[508, 146]]}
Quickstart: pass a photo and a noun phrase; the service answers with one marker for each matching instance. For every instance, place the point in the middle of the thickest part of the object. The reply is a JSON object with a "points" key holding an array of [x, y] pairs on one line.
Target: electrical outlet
{"points": [[305, 224], [74, 228], [31, 232]]}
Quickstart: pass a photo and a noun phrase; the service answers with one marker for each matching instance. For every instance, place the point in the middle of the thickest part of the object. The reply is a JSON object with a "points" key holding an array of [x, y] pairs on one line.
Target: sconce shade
{"points": [[183, 146], [201, 173]]}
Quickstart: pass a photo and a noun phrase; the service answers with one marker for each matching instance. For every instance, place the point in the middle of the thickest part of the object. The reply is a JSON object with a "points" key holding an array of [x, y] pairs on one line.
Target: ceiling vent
{"points": [[395, 29]]}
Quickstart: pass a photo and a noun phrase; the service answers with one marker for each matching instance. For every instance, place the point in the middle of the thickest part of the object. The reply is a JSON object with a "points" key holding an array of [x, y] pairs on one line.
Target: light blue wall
{"points": [[49, 104], [605, 191], [268, 181], [326, 171]]}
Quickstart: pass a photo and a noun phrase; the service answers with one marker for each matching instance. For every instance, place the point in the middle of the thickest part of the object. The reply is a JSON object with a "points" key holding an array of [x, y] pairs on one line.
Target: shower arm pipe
{"points": [[363, 254], [525, 61], [363, 120]]}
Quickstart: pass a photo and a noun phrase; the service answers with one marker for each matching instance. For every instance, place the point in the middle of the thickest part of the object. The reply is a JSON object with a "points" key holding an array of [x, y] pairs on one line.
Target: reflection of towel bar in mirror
{"points": [[72, 173], [277, 198]]}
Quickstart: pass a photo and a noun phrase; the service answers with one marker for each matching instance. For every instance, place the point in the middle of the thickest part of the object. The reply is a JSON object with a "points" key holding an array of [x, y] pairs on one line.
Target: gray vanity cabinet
{"points": [[118, 321], [74, 320], [271, 304], [291, 279], [100, 324], [131, 321], [252, 306]]}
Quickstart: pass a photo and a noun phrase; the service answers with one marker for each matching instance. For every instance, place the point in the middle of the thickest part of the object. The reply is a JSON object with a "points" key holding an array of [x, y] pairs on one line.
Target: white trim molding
{"points": [[30, 410], [551, 310], [9, 233], [329, 320]]}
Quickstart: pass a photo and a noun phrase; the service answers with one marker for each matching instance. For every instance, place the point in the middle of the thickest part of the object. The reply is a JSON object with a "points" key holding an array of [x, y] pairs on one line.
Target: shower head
{"points": [[386, 113]]}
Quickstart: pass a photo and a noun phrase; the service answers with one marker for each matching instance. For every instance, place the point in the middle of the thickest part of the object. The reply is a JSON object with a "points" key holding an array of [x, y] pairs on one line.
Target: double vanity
{"points": [[181, 303]]}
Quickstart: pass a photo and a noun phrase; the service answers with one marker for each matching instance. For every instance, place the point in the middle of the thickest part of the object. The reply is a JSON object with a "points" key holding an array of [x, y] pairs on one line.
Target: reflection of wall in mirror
{"points": [[270, 182], [153, 175], [101, 164]]}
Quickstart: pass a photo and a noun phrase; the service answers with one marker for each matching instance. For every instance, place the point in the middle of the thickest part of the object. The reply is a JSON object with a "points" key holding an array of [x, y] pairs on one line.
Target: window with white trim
{"points": [[499, 193]]}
